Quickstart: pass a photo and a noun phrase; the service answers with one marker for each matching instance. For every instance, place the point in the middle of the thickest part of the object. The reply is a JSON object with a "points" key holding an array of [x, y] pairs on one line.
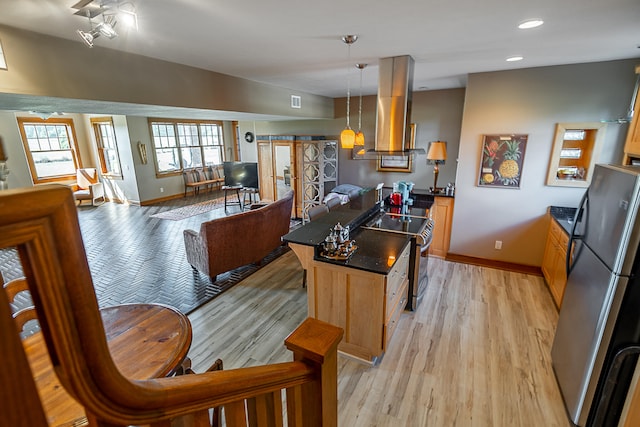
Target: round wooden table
{"points": [[145, 341]]}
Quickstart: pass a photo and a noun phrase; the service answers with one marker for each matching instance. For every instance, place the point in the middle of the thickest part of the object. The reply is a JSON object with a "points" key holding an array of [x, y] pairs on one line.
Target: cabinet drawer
{"points": [[402, 264], [396, 280], [394, 296], [555, 231], [563, 240], [392, 321]]}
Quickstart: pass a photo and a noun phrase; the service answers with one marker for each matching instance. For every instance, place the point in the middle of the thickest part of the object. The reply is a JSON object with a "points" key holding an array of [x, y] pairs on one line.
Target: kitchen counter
{"points": [[367, 293], [563, 216], [375, 248]]}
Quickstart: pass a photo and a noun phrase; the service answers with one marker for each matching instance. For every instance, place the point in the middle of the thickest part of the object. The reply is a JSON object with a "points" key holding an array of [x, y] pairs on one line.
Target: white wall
{"points": [[19, 176], [530, 101]]}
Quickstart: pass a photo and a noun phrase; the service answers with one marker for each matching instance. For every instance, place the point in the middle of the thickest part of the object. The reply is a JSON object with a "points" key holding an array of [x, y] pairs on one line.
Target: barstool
{"points": [[252, 194], [236, 188]]}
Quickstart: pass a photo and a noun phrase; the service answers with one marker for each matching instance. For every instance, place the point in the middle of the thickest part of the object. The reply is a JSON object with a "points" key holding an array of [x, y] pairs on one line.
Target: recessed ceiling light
{"points": [[530, 23], [515, 58]]}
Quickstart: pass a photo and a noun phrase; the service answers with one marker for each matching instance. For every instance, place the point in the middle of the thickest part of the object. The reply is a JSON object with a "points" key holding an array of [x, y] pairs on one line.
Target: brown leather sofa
{"points": [[230, 242]]}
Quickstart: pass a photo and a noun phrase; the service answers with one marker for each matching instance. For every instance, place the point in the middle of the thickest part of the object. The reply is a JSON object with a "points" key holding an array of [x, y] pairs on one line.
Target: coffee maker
{"points": [[405, 189], [401, 192]]}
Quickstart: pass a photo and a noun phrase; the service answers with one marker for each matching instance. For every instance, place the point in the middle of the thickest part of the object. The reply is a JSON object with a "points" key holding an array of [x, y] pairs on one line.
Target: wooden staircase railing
{"points": [[42, 223]]}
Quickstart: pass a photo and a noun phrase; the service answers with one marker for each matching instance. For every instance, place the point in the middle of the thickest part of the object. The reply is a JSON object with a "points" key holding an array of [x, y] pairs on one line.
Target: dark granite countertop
{"points": [[374, 250], [374, 247], [563, 216]]}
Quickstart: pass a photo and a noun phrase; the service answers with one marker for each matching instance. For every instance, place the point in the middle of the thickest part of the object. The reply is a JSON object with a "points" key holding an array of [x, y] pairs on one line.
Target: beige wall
{"points": [[527, 101], [437, 114], [40, 65], [530, 101]]}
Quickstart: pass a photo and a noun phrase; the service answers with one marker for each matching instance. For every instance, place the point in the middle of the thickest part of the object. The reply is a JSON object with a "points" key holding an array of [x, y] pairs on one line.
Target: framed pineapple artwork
{"points": [[502, 158]]}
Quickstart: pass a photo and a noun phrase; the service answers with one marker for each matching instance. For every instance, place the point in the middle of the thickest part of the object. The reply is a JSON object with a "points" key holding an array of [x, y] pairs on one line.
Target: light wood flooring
{"points": [[475, 353]]}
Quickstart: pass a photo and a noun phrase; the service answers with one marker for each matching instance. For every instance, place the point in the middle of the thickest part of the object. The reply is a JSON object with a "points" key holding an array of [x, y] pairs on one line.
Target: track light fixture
{"points": [[107, 26], [88, 36], [110, 10]]}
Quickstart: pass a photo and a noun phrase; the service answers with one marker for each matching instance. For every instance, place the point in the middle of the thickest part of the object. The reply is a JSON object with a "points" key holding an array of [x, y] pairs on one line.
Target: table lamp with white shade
{"points": [[436, 155]]}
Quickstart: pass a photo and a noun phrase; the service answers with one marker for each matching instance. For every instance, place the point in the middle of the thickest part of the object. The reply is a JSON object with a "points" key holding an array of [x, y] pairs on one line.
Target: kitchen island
{"points": [[364, 294]]}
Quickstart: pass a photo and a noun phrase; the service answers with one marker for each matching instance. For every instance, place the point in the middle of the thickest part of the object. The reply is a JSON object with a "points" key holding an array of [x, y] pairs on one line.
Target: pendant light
{"points": [[359, 139], [348, 136]]}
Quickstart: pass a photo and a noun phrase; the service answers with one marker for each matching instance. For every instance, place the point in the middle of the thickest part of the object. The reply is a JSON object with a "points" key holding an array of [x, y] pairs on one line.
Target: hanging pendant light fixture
{"points": [[359, 139], [348, 136]]}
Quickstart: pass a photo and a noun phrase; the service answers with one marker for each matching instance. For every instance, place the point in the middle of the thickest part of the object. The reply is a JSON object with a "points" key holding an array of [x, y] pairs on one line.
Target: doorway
{"points": [[282, 161]]}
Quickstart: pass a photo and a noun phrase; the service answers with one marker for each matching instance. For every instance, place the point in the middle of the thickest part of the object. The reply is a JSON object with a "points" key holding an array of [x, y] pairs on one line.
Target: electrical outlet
{"points": [[498, 244], [162, 189]]}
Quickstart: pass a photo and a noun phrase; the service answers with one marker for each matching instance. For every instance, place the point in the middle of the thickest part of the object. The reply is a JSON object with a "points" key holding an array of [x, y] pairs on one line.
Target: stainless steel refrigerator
{"points": [[598, 334]]}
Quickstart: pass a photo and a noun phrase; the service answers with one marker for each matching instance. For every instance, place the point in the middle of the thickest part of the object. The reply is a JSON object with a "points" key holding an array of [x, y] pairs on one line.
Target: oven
{"points": [[415, 223]]}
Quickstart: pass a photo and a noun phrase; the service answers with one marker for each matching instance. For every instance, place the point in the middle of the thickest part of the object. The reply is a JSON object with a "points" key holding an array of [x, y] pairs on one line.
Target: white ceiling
{"points": [[297, 44]]}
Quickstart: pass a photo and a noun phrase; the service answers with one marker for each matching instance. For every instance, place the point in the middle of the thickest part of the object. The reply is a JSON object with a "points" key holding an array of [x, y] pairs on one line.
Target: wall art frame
{"points": [[399, 163], [501, 160]]}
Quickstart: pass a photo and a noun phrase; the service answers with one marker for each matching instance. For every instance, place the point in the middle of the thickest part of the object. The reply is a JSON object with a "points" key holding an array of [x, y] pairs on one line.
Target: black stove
{"points": [[406, 220], [414, 222]]}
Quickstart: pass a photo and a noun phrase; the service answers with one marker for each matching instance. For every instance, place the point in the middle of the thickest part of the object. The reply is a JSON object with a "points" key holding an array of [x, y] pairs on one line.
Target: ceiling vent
{"points": [[296, 101]]}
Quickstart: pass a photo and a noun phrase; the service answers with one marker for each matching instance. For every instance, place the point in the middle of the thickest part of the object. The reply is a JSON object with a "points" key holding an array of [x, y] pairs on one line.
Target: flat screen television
{"points": [[241, 173]]}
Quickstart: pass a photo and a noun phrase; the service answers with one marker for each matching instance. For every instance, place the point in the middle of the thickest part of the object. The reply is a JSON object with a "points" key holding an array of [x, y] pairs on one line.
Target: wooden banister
{"points": [[42, 223], [19, 401]]}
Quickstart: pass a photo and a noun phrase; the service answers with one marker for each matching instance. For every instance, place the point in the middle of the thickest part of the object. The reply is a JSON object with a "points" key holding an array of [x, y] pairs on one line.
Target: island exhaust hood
{"points": [[393, 116]]}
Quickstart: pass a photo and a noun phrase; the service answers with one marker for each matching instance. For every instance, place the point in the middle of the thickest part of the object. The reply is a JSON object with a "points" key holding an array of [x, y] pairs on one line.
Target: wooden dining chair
{"points": [[42, 223]]}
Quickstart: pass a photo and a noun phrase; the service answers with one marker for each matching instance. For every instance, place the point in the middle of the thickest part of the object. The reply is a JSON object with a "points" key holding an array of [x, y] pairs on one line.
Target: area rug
{"points": [[191, 210]]}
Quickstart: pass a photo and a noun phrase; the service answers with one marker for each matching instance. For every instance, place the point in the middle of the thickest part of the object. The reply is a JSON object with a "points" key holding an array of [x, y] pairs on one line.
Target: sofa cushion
{"points": [[346, 189]]}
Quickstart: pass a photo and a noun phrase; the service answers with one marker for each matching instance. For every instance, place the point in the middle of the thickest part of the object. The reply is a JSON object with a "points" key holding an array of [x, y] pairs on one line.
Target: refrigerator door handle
{"points": [[573, 236]]}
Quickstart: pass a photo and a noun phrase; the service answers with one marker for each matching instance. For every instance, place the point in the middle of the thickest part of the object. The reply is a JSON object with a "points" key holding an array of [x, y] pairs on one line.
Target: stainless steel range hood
{"points": [[393, 117]]}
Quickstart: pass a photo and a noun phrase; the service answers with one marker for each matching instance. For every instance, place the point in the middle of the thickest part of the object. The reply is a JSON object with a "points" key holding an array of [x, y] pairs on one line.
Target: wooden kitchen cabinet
{"points": [[554, 261], [632, 144], [442, 213], [366, 305], [306, 164]]}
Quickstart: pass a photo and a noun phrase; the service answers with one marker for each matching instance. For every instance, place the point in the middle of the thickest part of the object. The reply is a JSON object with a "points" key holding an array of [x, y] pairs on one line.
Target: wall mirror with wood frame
{"points": [[576, 147]]}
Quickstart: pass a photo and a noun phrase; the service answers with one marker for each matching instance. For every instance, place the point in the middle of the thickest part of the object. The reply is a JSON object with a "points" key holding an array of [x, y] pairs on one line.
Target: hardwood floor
{"points": [[475, 353], [134, 257]]}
